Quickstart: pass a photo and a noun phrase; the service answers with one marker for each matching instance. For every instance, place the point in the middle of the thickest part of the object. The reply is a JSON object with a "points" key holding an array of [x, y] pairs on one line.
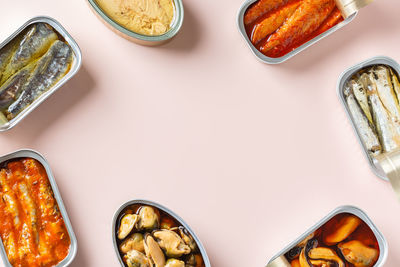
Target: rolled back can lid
{"points": [[389, 163], [279, 262], [349, 7]]}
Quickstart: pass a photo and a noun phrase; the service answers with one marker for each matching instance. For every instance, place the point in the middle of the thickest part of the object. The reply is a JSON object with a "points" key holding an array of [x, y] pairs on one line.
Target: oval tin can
{"points": [[140, 38], [27, 153], [166, 210], [383, 247]]}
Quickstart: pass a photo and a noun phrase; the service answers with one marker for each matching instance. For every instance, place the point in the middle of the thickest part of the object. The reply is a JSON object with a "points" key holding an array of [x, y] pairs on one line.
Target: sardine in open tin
{"points": [[76, 64], [344, 77], [166, 210], [27, 153], [271, 60], [140, 38], [383, 247]]}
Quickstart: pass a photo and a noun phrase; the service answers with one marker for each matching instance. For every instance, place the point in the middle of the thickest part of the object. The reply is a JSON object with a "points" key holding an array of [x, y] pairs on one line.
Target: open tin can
{"points": [[281, 259], [27, 153], [347, 8], [141, 39], [76, 63], [387, 164], [343, 79], [141, 202]]}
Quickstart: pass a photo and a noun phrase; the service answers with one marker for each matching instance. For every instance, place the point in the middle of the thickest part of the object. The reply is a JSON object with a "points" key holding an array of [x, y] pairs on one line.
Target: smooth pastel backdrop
{"points": [[250, 155]]}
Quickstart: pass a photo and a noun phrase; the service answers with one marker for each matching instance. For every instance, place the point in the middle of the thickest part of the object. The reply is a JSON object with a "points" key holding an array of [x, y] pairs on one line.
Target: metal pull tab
{"points": [[279, 262], [349, 7], [389, 163]]}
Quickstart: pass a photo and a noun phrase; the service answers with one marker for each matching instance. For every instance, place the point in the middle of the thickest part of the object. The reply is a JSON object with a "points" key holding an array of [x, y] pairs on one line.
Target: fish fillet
{"points": [[305, 20], [361, 95], [34, 44], [49, 70], [365, 128], [273, 22], [10, 90], [260, 8], [387, 130], [334, 18]]}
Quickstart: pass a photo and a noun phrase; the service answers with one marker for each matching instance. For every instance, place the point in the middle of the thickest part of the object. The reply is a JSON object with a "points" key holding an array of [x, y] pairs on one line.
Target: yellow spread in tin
{"points": [[147, 17]]}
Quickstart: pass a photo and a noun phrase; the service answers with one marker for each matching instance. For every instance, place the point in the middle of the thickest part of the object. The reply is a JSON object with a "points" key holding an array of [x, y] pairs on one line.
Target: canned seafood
{"points": [[341, 86], [30, 154], [142, 39], [344, 235], [281, 57], [142, 225], [33, 99]]}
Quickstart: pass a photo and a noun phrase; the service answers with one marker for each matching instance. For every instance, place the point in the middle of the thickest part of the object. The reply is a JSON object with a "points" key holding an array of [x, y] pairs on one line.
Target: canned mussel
{"points": [[276, 30], [34, 62], [35, 229], [345, 238], [370, 92], [146, 234]]}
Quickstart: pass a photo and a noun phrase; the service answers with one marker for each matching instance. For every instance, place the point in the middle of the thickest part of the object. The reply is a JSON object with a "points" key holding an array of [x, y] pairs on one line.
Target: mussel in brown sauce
{"points": [[171, 243], [359, 254], [135, 258], [344, 229], [187, 238], [174, 263], [148, 218], [134, 241], [153, 251], [127, 223], [149, 237], [322, 256]]}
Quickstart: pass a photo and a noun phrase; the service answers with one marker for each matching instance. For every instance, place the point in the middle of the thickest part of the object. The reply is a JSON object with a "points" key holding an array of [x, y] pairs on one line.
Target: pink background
{"points": [[250, 155]]}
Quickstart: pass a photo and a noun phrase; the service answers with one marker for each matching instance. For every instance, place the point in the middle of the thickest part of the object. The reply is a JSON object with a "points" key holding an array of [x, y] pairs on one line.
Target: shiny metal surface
{"points": [[168, 211], [383, 247], [139, 38], [271, 60], [76, 64], [344, 77], [27, 153]]}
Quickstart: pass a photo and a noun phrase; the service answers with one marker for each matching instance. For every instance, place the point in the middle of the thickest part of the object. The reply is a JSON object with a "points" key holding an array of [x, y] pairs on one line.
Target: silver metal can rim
{"points": [[270, 60], [168, 211], [74, 69], [383, 60], [29, 153], [383, 246], [176, 26]]}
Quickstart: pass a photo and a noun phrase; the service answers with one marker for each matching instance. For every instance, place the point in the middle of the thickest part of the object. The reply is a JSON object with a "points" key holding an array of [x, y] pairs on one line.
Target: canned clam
{"points": [[35, 61], [145, 232], [44, 213], [344, 237]]}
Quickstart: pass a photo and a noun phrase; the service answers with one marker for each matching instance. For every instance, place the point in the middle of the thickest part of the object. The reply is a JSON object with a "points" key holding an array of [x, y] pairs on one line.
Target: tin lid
{"points": [[349, 7], [389, 163], [279, 262]]}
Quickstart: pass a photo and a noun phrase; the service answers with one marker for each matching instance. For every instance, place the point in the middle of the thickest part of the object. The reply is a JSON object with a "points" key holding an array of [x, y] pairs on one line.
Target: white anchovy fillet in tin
{"points": [[385, 127], [365, 128], [361, 95]]}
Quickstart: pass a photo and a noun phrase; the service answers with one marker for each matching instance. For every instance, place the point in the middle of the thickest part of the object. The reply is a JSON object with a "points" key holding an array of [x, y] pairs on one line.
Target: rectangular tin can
{"points": [[271, 60], [166, 210], [344, 77], [383, 247], [140, 38], [27, 153], [76, 64]]}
